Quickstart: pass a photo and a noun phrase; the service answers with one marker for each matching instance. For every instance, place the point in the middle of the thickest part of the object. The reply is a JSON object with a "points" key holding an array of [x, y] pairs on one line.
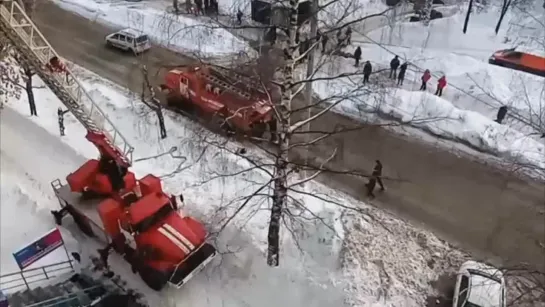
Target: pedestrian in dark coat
{"points": [[348, 37], [401, 75], [394, 64], [198, 7], [425, 78], [339, 38], [271, 35], [239, 17], [60, 115], [371, 186], [502, 111], [377, 173], [357, 56], [325, 39], [441, 83], [367, 70]]}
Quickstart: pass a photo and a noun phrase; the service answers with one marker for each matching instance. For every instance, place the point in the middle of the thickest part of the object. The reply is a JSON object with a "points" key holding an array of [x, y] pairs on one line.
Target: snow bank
{"points": [[214, 183], [392, 262], [179, 33]]}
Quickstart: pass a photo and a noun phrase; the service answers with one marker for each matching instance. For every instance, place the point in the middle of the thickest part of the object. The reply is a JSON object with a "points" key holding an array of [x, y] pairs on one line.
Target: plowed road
{"points": [[481, 209]]}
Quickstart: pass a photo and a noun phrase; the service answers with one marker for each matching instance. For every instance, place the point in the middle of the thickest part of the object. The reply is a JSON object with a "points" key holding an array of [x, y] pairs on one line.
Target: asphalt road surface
{"points": [[483, 210]]}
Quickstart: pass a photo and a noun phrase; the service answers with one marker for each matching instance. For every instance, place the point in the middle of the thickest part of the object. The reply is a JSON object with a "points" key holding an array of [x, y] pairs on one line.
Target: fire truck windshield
{"points": [[154, 218]]}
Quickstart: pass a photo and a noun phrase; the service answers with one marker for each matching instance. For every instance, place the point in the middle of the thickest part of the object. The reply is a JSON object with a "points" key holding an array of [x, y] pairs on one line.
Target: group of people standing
{"points": [[395, 64]]}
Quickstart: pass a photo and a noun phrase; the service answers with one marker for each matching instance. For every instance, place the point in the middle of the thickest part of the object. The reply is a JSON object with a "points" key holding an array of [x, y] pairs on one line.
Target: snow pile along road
{"points": [[216, 182], [179, 33]]}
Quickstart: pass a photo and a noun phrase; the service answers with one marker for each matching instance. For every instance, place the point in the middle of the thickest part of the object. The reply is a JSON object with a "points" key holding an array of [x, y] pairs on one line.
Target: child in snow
{"points": [[441, 83], [425, 78]]}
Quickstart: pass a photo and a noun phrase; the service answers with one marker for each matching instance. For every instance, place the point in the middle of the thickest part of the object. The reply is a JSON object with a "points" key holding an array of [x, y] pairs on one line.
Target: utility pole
{"points": [[310, 69]]}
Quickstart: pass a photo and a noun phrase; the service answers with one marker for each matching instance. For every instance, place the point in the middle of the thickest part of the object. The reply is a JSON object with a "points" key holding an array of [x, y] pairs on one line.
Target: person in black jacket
{"points": [[340, 39], [239, 17], [502, 111], [325, 39], [60, 115], [401, 75], [357, 56], [367, 70], [348, 37], [377, 174], [371, 186], [394, 64]]}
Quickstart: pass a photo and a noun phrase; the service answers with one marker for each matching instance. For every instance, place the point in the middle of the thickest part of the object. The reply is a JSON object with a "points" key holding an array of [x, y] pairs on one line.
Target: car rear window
{"points": [[142, 39]]}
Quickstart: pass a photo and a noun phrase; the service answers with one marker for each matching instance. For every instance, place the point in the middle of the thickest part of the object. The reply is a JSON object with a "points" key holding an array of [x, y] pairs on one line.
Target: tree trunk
{"points": [[280, 193], [162, 128], [469, 8], [505, 7], [30, 92]]}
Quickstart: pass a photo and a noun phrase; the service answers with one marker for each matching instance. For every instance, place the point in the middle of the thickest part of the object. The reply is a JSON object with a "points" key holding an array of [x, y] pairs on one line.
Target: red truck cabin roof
{"points": [[147, 206]]}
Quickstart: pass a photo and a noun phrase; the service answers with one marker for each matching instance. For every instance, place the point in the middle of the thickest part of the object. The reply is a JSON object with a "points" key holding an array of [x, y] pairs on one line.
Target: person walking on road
{"points": [[371, 186], [394, 64], [377, 173], [348, 37], [502, 111], [367, 70], [441, 83], [198, 7], [239, 17], [357, 56], [60, 115], [324, 39], [339, 39], [401, 75], [425, 78]]}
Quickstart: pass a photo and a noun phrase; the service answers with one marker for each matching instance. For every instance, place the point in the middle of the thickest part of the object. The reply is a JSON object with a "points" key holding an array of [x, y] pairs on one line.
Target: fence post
{"points": [[45, 273], [24, 279]]}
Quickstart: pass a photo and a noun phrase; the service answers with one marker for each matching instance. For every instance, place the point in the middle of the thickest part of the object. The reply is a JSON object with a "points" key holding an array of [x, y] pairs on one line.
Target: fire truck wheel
{"points": [[258, 130], [153, 278]]}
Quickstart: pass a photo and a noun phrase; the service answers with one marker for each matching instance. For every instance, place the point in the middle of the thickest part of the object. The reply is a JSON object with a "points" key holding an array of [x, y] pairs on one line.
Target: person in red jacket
{"points": [[441, 83], [425, 78]]}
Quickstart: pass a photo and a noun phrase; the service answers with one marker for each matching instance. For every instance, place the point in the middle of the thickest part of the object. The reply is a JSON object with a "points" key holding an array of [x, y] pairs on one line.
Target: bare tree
{"points": [[153, 102]]}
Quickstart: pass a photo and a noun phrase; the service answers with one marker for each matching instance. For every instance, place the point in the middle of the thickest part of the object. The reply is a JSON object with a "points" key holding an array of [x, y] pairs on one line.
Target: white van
{"points": [[129, 40]]}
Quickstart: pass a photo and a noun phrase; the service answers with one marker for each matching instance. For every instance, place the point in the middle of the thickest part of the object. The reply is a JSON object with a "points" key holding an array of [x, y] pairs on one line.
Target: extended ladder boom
{"points": [[37, 52]]}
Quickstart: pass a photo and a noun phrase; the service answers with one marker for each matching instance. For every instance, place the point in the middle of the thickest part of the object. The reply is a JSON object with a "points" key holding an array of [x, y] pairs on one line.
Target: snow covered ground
{"points": [[179, 33], [351, 260], [474, 92]]}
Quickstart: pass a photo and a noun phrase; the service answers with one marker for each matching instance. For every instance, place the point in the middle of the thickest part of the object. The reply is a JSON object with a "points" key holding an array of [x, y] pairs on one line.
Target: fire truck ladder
{"points": [[216, 81], [36, 52]]}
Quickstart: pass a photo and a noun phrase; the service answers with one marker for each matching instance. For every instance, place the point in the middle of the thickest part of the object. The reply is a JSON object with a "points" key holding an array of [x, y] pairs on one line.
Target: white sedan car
{"points": [[129, 40], [479, 285]]}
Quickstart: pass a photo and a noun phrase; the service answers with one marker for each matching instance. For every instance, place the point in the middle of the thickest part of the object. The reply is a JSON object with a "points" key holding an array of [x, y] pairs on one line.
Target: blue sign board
{"points": [[39, 248]]}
